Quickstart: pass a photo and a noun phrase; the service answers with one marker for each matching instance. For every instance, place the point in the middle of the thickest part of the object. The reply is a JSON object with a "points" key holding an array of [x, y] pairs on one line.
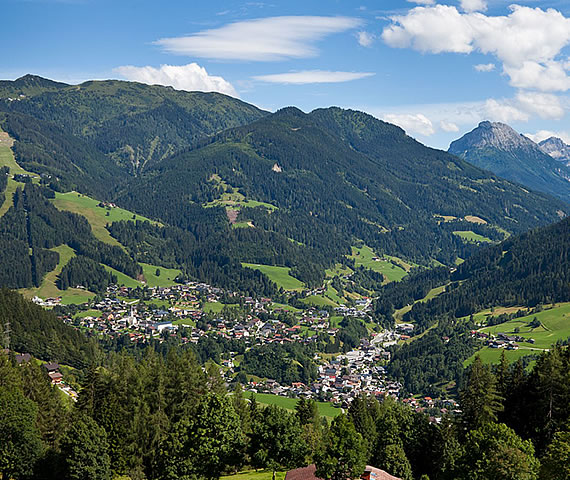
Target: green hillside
{"points": [[132, 124]]}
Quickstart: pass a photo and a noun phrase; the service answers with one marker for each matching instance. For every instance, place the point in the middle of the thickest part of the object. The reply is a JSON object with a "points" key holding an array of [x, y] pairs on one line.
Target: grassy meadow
{"points": [[96, 216], [325, 408], [364, 256], [554, 326], [279, 275]]}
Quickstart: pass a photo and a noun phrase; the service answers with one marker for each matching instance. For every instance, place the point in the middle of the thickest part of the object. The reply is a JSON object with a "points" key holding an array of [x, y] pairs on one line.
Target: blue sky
{"points": [[436, 68]]}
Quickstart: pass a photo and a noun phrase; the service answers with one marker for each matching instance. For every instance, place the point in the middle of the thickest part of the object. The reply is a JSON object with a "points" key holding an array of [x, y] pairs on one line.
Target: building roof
{"points": [[51, 367], [308, 473]]}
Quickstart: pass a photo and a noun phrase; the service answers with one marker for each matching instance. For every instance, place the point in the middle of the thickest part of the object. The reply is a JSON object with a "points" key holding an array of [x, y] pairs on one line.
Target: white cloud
{"points": [[422, 2], [365, 39], [473, 5], [181, 77], [485, 67], [313, 76], [448, 126], [411, 123], [504, 111], [528, 42], [545, 105], [544, 134], [264, 39]]}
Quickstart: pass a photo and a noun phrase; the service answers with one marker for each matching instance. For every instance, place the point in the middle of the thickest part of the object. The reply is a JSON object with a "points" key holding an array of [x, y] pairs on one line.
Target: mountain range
{"points": [[497, 147], [302, 187]]}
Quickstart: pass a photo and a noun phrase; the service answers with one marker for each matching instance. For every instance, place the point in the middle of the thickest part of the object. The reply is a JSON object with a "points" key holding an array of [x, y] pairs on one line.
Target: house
{"points": [[51, 367], [23, 358], [56, 377], [308, 473]]}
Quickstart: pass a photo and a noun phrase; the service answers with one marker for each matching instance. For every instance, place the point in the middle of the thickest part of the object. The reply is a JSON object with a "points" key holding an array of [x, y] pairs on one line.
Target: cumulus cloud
{"points": [[473, 5], [528, 42], [365, 39], [544, 105], [313, 76], [181, 77], [504, 111], [485, 67], [263, 39], [448, 126], [544, 134], [412, 123]]}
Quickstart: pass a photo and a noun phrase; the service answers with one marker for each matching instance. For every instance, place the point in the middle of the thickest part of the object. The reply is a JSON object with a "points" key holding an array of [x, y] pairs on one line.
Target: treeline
{"points": [[344, 176], [413, 287], [39, 332], [526, 270], [33, 226], [427, 365], [168, 418], [82, 271], [4, 172], [44, 148], [285, 364]]}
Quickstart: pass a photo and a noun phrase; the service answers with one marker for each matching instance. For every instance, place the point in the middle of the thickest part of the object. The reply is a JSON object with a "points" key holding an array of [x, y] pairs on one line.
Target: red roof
{"points": [[308, 473], [304, 473]]}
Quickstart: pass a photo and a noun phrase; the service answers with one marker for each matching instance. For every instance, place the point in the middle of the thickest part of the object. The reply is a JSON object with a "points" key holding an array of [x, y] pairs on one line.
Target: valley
{"points": [[165, 248]]}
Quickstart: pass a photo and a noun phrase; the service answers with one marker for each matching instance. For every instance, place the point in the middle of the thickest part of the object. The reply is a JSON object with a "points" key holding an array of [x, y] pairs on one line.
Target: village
{"points": [[187, 312]]}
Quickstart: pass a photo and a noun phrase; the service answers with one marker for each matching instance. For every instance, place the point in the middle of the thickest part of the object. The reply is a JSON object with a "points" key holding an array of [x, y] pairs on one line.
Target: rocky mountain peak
{"points": [[557, 149], [492, 135]]}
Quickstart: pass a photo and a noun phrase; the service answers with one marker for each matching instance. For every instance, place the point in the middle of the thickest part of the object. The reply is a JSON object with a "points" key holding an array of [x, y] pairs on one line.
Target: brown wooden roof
{"points": [[308, 473]]}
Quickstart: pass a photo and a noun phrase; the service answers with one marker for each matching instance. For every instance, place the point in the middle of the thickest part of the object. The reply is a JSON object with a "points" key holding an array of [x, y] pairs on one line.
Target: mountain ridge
{"points": [[499, 148]]}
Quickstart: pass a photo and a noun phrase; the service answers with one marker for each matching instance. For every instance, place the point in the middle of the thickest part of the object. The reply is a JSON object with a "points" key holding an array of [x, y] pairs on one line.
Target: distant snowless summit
{"points": [[499, 148], [557, 149]]}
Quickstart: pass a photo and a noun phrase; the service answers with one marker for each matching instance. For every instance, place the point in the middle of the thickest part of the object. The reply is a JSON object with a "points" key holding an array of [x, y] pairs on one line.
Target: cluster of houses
{"points": [[257, 321], [501, 340], [52, 370]]}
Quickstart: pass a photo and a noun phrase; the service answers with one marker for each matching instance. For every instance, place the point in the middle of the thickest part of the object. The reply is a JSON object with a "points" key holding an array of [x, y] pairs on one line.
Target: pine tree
{"points": [[480, 401]]}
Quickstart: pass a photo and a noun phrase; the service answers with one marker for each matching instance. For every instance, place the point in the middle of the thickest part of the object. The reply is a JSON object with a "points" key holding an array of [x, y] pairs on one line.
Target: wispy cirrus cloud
{"points": [[263, 39], [312, 76], [191, 77]]}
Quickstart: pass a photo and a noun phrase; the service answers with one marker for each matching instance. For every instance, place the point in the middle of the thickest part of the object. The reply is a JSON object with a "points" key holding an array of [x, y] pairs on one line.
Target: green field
{"points": [[88, 313], [165, 279], [232, 198], [255, 475], [363, 256], [282, 306], [279, 275], [318, 301], [332, 294], [213, 307], [7, 160], [325, 409], [554, 326], [96, 216], [338, 270], [470, 236], [123, 279], [7, 156], [48, 287]]}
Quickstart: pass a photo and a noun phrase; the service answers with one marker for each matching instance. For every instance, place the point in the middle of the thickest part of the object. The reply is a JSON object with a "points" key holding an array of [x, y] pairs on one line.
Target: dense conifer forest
{"points": [[161, 416]]}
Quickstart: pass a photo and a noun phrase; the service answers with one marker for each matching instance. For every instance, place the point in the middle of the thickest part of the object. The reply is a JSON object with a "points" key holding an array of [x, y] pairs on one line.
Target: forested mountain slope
{"points": [[336, 175], [135, 125], [525, 270]]}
